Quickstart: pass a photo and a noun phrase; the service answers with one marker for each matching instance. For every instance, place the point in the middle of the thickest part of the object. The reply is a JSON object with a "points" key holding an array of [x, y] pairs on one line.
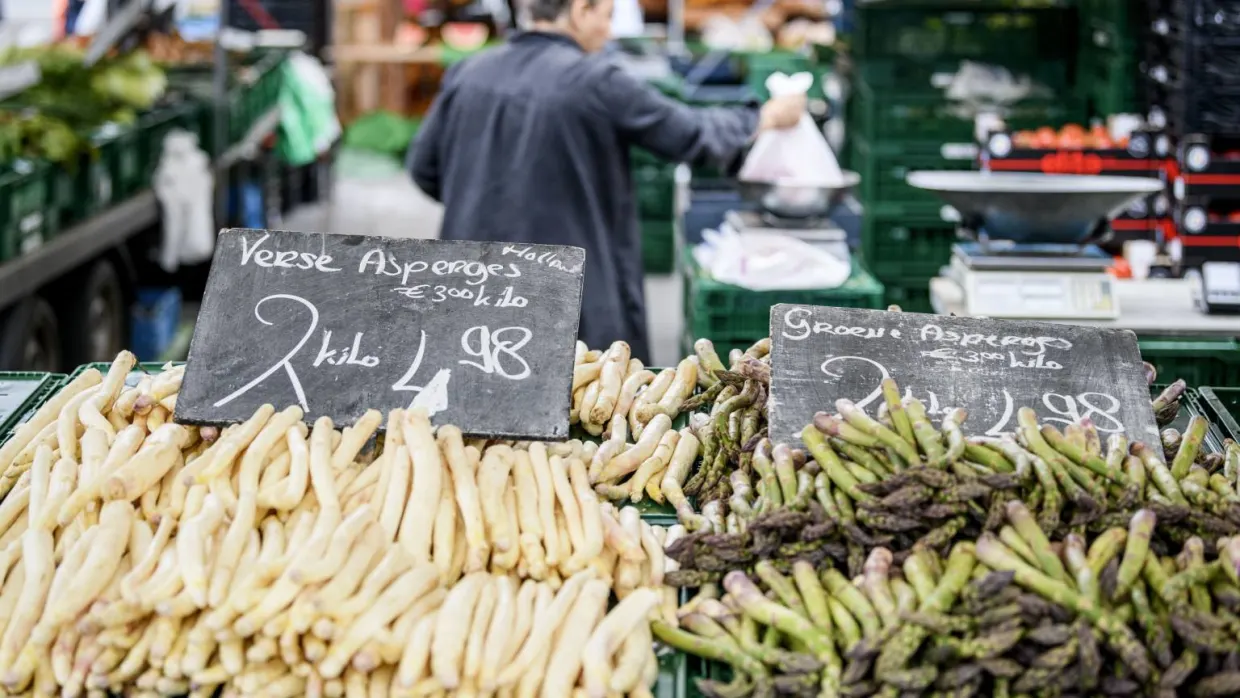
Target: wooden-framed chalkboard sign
{"points": [[991, 368], [481, 334]]}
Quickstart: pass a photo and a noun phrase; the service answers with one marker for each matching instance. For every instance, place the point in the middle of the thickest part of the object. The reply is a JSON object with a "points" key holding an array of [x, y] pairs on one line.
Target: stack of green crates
{"points": [[655, 184], [734, 317], [760, 66], [899, 119], [28, 214], [1111, 44], [1198, 360]]}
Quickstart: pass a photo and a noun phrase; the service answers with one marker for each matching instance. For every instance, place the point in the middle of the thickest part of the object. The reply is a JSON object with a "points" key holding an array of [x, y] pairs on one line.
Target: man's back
{"points": [[529, 143], [525, 154]]}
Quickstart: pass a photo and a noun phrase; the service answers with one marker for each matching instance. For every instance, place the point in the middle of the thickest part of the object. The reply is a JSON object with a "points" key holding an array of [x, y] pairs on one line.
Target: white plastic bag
{"points": [[768, 261], [799, 155], [184, 185]]}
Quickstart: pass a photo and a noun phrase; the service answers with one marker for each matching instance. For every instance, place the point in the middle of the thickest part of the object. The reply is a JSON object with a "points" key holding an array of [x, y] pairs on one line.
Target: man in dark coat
{"points": [[529, 142]]}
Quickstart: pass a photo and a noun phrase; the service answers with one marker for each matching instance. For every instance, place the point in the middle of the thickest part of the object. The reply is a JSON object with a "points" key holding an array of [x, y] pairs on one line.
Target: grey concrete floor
{"points": [[371, 196]]}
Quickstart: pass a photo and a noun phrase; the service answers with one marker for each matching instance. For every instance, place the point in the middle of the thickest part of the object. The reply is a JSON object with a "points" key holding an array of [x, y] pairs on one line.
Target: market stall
{"points": [[388, 467], [669, 547], [85, 143], [455, 497]]}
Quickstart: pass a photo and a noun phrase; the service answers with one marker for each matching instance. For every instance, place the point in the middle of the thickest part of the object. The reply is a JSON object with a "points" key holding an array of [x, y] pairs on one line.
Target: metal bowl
{"points": [[793, 200], [1035, 208]]}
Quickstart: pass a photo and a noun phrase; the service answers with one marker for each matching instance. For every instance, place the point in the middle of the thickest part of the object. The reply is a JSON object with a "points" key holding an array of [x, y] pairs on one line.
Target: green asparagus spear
{"points": [[862, 457], [1159, 473], [1106, 547], [710, 649], [853, 599], [785, 589], [899, 418], [837, 428], [767, 612], [785, 473], [929, 440], [980, 453], [953, 423], [830, 464], [859, 419], [1024, 523], [1081, 456], [1140, 530]]}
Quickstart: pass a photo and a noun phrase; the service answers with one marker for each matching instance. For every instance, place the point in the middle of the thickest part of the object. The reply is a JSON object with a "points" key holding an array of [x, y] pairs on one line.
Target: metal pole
{"points": [[219, 102]]}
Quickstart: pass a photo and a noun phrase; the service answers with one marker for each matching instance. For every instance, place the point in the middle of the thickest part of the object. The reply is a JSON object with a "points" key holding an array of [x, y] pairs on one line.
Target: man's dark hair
{"points": [[547, 10]]}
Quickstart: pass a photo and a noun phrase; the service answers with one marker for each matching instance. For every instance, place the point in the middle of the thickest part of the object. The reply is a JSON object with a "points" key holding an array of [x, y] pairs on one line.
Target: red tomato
{"points": [[1072, 140], [1101, 138], [1045, 138]]}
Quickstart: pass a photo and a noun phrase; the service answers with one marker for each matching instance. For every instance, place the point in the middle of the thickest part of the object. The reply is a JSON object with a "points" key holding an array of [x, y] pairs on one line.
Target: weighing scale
{"points": [[795, 210], [1033, 251], [819, 231], [1219, 287]]}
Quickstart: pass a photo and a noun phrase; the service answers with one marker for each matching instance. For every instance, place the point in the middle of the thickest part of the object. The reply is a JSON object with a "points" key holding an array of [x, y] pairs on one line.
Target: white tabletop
{"points": [[1154, 307]]}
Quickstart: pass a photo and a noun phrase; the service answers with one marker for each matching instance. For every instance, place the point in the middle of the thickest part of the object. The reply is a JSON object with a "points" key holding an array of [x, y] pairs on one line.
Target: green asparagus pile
{"points": [[900, 482], [1009, 614], [734, 424]]}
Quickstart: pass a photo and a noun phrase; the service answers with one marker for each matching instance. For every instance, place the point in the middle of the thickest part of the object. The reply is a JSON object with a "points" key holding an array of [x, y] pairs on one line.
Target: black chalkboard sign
{"points": [[991, 368], [481, 334]]}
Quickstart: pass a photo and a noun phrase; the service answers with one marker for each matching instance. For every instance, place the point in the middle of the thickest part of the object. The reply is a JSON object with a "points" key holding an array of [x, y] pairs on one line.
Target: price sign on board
{"points": [[991, 368], [480, 334]]}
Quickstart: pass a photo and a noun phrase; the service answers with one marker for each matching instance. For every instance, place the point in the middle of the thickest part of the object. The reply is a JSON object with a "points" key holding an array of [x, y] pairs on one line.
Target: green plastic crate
{"points": [[912, 296], [28, 214], [118, 172], [1120, 14], [760, 66], [1194, 404], [883, 167], [922, 75], [20, 394], [961, 29], [145, 368], [1200, 361], [900, 249], [1109, 80], [1104, 33], [154, 127], [658, 246], [654, 184], [879, 112], [1223, 408], [727, 313], [258, 93]]}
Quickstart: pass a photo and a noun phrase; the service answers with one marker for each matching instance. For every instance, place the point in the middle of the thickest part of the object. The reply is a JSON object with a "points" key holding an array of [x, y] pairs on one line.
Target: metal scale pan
{"points": [[1032, 208], [793, 201]]}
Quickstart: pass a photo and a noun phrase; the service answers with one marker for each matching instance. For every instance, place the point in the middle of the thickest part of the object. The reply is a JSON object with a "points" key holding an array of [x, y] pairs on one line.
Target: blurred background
{"points": [[132, 130]]}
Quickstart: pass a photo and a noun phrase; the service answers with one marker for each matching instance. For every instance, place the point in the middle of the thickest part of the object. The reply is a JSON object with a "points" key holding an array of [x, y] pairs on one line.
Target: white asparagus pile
{"points": [[616, 397], [492, 635], [144, 557], [612, 383]]}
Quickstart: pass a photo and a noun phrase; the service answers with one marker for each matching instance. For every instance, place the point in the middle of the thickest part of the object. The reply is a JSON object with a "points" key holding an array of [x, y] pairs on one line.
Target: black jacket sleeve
{"points": [[670, 129], [424, 158]]}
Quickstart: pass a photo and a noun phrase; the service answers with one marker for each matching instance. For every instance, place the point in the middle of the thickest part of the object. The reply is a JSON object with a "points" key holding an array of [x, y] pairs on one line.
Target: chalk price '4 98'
{"points": [[497, 352]]}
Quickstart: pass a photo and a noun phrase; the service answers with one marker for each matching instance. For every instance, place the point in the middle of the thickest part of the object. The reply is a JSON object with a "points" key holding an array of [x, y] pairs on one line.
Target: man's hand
{"points": [[781, 112]]}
